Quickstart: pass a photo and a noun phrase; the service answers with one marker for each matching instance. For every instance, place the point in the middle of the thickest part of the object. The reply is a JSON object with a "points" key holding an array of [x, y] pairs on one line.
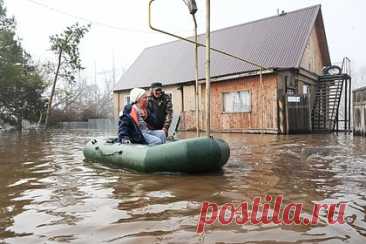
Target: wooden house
{"points": [[292, 46]]}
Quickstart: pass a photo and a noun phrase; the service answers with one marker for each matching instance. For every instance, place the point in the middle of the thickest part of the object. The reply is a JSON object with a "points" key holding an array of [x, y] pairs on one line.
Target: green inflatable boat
{"points": [[195, 155]]}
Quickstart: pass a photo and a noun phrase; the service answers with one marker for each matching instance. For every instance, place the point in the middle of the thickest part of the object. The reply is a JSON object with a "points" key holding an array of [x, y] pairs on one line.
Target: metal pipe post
{"points": [[208, 60], [197, 105], [345, 105], [349, 104]]}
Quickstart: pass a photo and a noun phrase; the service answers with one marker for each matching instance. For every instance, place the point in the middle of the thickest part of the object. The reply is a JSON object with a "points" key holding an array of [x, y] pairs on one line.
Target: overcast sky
{"points": [[120, 27]]}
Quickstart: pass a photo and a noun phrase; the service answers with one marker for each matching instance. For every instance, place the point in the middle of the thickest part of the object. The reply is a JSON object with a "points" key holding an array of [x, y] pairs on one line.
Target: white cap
{"points": [[136, 93]]}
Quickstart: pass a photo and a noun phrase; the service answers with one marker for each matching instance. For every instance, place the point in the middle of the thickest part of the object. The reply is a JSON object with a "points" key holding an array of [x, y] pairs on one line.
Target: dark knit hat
{"points": [[155, 85]]}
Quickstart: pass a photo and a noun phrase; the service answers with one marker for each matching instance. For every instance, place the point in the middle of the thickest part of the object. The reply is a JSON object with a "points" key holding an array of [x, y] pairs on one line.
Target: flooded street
{"points": [[48, 193]]}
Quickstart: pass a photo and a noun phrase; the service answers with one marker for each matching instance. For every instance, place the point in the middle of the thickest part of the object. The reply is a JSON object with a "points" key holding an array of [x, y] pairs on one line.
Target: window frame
{"points": [[236, 112]]}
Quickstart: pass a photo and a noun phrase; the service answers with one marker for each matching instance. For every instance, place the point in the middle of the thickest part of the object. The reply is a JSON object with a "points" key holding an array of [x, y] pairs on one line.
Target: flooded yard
{"points": [[48, 193]]}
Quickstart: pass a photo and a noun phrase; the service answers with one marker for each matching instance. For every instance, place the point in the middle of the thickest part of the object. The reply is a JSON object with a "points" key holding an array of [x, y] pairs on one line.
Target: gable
{"points": [[316, 54]]}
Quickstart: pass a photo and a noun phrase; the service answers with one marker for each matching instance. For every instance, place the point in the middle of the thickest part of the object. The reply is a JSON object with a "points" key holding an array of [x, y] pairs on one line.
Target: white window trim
{"points": [[237, 91]]}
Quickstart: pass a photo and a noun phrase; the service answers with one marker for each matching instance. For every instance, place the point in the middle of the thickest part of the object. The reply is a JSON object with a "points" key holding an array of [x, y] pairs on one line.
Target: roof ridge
{"points": [[267, 18], [237, 25]]}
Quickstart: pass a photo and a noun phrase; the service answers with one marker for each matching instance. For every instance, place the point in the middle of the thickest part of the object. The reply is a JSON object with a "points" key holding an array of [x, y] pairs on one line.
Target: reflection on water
{"points": [[48, 193]]}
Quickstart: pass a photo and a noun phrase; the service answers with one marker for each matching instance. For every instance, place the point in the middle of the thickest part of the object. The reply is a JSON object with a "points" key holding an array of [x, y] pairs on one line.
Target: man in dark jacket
{"points": [[160, 104]]}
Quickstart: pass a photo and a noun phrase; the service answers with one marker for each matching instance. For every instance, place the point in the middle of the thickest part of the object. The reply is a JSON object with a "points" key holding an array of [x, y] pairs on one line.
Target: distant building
{"points": [[292, 45], [359, 111]]}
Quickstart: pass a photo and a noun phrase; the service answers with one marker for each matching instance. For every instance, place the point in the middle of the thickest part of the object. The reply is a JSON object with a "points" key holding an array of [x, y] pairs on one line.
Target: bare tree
{"points": [[65, 46]]}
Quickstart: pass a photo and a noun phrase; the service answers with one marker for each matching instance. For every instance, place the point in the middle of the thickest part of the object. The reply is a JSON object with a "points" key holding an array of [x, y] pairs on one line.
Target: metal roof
{"points": [[274, 42]]}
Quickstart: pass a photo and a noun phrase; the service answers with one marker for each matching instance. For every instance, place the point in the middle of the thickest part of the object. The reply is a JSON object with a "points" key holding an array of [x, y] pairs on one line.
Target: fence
{"points": [[100, 124], [359, 111]]}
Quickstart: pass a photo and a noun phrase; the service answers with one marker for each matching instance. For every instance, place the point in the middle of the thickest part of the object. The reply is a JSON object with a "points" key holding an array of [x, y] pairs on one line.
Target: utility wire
{"points": [[89, 20]]}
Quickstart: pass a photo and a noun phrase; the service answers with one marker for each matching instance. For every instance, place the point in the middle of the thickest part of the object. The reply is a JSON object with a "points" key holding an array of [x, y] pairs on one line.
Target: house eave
{"points": [[215, 79], [241, 75]]}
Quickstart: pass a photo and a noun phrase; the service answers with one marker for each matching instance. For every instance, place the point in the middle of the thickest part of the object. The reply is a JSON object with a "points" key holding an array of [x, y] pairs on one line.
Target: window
{"points": [[126, 100], [237, 102], [305, 89], [291, 91]]}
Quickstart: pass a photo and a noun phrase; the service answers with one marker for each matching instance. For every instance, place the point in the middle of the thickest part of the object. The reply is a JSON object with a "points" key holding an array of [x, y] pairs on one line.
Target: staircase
{"points": [[325, 112], [327, 100]]}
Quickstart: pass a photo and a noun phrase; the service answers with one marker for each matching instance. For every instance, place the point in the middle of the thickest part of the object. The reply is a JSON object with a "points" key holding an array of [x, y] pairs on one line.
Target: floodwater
{"points": [[48, 193]]}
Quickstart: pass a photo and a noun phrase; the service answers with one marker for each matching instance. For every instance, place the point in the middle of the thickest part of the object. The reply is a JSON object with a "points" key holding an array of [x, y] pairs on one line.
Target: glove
{"points": [[125, 141]]}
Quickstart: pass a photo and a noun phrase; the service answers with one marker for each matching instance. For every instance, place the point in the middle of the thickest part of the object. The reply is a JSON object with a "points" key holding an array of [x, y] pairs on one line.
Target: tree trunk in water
{"points": [[19, 123], [40, 120], [53, 90]]}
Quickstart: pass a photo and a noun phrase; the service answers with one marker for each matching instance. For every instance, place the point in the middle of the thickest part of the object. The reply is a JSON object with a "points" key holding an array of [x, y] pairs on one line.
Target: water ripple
{"points": [[48, 193]]}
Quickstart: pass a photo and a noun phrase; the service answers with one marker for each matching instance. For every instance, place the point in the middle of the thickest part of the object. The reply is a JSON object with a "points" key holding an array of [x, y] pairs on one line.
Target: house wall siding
{"points": [[262, 118], [312, 59], [263, 115], [118, 98]]}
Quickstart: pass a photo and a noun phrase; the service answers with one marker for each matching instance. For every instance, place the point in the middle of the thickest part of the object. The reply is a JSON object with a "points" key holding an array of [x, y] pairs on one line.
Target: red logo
{"points": [[263, 213]]}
